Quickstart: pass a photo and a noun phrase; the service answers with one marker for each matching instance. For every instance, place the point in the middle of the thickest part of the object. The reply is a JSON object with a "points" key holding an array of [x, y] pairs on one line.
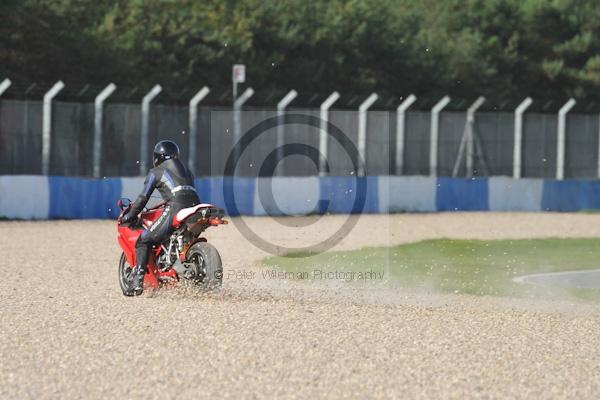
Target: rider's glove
{"points": [[127, 218]]}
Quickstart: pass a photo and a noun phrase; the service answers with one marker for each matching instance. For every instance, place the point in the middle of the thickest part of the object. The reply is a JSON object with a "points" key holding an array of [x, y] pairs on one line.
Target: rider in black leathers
{"points": [[175, 184]]}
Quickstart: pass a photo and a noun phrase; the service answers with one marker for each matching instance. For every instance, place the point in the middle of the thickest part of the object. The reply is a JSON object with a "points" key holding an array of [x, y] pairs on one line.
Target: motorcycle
{"points": [[185, 255]]}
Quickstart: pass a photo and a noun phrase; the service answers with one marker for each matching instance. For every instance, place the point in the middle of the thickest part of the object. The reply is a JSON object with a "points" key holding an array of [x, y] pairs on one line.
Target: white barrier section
{"points": [[508, 194], [406, 193], [23, 196], [293, 195]]}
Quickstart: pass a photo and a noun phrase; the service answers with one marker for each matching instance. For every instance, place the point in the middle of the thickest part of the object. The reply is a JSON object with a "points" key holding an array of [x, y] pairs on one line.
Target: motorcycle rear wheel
{"points": [[208, 262], [126, 276]]}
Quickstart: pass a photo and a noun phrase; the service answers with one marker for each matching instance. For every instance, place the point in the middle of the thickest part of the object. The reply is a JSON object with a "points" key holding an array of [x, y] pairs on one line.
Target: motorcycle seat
{"points": [[186, 212]]}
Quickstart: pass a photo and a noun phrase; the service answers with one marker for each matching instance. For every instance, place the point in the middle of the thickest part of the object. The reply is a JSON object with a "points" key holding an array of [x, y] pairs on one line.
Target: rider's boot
{"points": [[138, 279]]}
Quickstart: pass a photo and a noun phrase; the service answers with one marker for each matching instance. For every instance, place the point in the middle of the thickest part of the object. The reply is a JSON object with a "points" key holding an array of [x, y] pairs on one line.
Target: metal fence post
{"points": [[202, 93], [561, 137], [468, 141], [362, 132], [323, 134], [434, 133], [5, 85], [471, 135], [517, 158], [281, 106], [98, 118], [237, 123], [400, 128], [47, 125], [146, 126]]}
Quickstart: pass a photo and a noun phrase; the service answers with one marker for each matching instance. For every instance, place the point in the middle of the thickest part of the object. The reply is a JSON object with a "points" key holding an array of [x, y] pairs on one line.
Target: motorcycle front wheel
{"points": [[126, 276]]}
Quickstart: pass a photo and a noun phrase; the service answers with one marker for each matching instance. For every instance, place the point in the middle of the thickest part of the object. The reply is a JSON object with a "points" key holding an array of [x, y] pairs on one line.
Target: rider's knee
{"points": [[143, 240]]}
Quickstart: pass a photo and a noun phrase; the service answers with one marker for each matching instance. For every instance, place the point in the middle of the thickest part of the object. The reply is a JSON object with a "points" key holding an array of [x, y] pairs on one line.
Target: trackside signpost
{"points": [[238, 75]]}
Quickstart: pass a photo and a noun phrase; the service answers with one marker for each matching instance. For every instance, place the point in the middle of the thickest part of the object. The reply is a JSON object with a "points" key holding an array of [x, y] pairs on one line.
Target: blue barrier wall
{"points": [[240, 199], [38, 197], [77, 198], [348, 195], [457, 194], [570, 195]]}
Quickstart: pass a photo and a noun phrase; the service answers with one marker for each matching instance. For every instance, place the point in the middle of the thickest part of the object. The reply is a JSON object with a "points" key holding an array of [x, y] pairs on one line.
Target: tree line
{"points": [[502, 49]]}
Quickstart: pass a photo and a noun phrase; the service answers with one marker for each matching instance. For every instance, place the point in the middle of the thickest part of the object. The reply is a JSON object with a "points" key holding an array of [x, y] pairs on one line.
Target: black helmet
{"points": [[165, 150]]}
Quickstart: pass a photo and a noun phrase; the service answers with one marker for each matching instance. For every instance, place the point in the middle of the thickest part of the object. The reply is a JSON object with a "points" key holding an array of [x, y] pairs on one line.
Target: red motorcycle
{"points": [[184, 255]]}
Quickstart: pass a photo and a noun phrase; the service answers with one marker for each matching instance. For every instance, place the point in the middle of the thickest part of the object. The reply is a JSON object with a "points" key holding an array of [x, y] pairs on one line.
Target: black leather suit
{"points": [[175, 184]]}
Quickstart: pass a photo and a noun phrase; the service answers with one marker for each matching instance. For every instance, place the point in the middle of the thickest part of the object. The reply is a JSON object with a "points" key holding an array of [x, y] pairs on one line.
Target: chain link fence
{"points": [[73, 131]]}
